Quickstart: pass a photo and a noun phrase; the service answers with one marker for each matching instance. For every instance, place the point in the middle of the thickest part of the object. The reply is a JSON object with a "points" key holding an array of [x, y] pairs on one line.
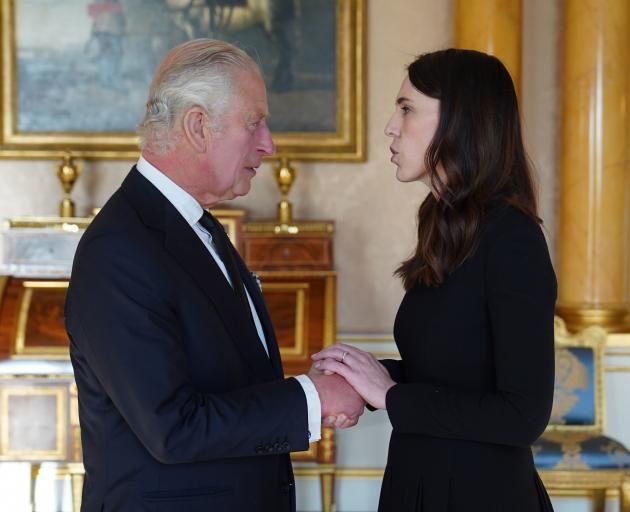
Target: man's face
{"points": [[244, 139]]}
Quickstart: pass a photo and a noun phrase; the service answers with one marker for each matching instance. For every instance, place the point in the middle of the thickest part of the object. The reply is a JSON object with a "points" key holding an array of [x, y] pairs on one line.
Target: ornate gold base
{"points": [[613, 319]]}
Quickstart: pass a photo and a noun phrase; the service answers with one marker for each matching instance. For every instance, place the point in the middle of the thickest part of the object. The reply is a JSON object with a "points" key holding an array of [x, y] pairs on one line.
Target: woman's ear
{"points": [[196, 129]]}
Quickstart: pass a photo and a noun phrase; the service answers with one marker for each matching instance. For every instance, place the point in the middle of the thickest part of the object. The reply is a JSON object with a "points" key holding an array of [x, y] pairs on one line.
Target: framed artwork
{"points": [[75, 73]]}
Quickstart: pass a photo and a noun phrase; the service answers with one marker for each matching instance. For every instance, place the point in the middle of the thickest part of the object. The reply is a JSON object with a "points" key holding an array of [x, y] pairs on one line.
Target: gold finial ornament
{"points": [[285, 176], [68, 173]]}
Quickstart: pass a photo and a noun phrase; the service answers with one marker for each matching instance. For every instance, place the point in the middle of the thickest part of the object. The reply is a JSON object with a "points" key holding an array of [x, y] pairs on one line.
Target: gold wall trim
{"points": [[385, 355], [377, 473], [18, 378], [228, 218], [616, 369], [313, 471], [330, 307], [365, 338], [70, 224], [618, 352], [618, 340], [349, 472], [301, 314], [271, 226], [613, 340], [295, 273], [46, 284], [581, 493], [59, 392]]}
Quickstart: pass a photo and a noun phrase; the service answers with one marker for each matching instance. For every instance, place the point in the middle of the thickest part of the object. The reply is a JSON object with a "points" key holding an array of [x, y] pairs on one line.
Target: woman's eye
{"points": [[405, 109]]}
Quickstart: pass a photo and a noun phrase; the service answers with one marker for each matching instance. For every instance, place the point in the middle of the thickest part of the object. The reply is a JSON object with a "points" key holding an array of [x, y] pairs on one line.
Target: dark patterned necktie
{"points": [[224, 248]]}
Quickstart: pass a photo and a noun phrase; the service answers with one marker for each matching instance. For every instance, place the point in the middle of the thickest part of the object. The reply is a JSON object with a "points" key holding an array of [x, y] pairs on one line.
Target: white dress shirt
{"points": [[192, 211]]}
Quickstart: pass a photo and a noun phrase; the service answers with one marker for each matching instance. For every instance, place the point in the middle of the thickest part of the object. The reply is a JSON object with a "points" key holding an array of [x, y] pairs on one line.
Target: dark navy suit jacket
{"points": [[180, 407]]}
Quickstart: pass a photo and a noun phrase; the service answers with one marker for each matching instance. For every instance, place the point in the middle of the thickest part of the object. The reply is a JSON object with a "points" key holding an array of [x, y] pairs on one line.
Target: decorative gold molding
{"points": [[365, 338], [295, 273], [581, 493], [301, 314], [349, 472], [313, 471], [22, 376], [618, 340], [613, 341], [59, 392], [272, 227], [19, 347], [590, 481], [70, 224], [617, 369], [386, 355], [228, 218], [330, 307]]}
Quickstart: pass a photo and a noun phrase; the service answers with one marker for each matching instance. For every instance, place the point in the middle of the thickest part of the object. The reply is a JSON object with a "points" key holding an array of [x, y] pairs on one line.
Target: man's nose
{"points": [[265, 141]]}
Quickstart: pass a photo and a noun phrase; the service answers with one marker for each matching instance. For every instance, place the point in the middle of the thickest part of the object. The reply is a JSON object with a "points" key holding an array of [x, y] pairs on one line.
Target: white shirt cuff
{"points": [[314, 408]]}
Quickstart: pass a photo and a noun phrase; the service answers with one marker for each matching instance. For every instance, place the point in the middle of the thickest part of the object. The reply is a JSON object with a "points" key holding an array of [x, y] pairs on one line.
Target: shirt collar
{"points": [[183, 202]]}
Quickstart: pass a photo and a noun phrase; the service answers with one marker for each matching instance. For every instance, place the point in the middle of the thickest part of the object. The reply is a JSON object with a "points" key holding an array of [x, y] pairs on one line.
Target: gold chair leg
{"points": [[624, 494], [76, 480], [599, 500], [35, 467], [327, 482]]}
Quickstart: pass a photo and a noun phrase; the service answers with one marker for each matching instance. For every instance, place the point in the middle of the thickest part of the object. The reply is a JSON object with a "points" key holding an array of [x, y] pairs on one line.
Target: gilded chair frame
{"points": [[593, 337]]}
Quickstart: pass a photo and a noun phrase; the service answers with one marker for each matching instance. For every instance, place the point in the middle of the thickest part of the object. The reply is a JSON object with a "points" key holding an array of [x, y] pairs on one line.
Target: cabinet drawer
{"points": [[262, 252]]}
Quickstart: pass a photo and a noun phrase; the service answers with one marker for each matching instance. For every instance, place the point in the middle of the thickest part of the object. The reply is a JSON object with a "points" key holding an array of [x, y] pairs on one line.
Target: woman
{"points": [[474, 386]]}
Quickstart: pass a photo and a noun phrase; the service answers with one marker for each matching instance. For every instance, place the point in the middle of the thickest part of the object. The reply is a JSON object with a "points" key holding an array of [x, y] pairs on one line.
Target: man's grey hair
{"points": [[196, 73]]}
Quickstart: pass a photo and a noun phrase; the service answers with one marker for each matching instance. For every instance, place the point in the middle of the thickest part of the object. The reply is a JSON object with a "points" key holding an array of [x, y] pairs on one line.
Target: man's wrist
{"points": [[314, 407]]}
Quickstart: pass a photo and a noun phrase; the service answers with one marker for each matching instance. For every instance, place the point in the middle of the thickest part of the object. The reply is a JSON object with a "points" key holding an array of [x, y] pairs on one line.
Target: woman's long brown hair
{"points": [[479, 146]]}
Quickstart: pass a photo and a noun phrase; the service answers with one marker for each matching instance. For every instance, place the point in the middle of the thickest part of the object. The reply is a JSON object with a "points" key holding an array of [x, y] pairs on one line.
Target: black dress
{"points": [[475, 383]]}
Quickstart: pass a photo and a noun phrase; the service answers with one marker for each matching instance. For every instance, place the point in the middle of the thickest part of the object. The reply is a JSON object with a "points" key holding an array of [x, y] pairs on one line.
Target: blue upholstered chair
{"points": [[573, 453]]}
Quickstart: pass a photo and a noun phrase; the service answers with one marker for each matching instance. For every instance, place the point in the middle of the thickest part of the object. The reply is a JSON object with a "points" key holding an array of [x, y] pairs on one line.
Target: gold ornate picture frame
{"points": [[66, 84]]}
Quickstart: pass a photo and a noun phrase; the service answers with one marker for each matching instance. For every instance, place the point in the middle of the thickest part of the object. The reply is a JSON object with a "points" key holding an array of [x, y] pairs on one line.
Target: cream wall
{"points": [[374, 214]]}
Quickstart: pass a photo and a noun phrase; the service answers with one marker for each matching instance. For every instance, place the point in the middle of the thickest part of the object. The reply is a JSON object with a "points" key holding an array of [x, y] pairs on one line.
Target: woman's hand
{"points": [[361, 369]]}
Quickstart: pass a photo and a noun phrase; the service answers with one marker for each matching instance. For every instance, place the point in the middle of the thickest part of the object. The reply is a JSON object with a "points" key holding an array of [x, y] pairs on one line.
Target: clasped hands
{"points": [[346, 379]]}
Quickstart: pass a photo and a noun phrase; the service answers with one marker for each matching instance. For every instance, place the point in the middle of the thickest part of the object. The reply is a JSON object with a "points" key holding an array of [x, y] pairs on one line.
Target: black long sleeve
{"points": [[477, 351]]}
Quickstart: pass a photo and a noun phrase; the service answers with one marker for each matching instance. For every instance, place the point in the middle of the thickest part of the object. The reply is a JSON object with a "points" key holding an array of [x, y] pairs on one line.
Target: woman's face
{"points": [[412, 127]]}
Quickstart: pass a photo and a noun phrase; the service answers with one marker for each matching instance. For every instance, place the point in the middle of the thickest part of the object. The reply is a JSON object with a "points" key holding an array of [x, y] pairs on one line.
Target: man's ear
{"points": [[197, 129]]}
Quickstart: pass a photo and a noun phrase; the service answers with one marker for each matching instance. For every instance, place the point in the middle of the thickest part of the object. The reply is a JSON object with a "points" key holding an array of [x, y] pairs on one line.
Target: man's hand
{"points": [[341, 404], [359, 368]]}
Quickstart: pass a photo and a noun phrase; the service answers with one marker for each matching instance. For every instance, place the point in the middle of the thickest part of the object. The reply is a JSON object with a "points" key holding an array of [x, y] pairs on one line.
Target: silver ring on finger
{"points": [[343, 356]]}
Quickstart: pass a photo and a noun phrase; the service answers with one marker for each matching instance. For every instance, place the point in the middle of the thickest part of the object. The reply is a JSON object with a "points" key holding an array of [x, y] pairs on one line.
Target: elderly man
{"points": [[182, 400]]}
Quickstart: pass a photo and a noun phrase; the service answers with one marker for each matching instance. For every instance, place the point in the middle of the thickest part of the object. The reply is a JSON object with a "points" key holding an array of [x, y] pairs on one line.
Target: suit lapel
{"points": [[263, 315], [188, 250]]}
